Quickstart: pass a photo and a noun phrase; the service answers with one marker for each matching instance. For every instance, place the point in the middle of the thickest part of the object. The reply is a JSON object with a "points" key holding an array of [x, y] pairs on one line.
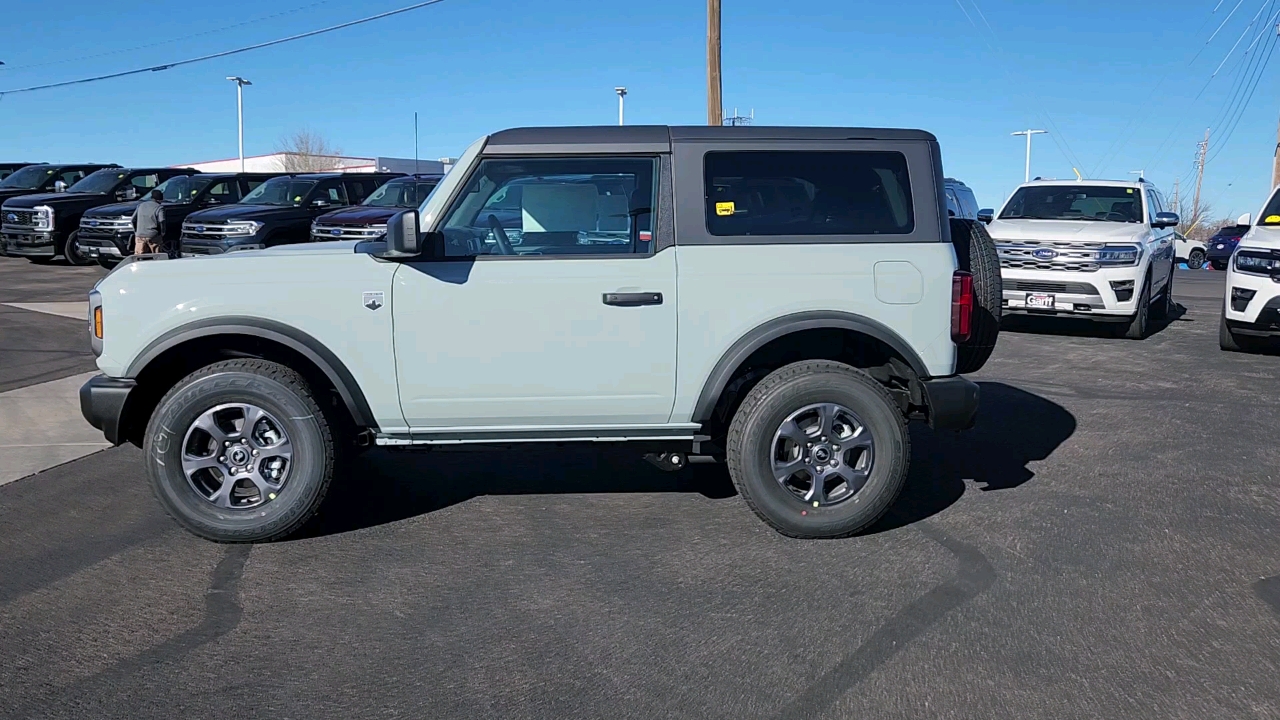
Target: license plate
{"points": [[1040, 300]]}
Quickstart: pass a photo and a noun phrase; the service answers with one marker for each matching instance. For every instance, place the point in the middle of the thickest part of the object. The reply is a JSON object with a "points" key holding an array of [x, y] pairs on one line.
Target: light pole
{"points": [[622, 93], [1142, 174], [1029, 133], [240, 83]]}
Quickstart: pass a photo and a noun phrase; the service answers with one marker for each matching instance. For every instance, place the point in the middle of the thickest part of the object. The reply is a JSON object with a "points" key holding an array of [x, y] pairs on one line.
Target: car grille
{"points": [[1065, 288], [106, 225], [25, 218], [1069, 256], [207, 231], [347, 232], [198, 250]]}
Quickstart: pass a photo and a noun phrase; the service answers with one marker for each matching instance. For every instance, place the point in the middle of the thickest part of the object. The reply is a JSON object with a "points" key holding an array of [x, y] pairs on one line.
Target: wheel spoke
{"points": [[191, 464], [264, 485], [222, 498], [783, 470], [817, 494], [793, 432], [252, 415], [853, 477], [827, 418], [860, 439], [207, 423]]}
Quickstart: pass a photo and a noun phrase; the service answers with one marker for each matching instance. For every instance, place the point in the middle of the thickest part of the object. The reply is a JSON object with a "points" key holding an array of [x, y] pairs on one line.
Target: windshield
{"points": [[100, 183], [28, 178], [182, 188], [1075, 202], [280, 191], [400, 193]]}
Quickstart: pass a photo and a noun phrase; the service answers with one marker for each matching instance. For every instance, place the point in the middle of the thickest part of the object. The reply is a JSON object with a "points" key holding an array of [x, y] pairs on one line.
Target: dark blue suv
{"points": [[1222, 244]]}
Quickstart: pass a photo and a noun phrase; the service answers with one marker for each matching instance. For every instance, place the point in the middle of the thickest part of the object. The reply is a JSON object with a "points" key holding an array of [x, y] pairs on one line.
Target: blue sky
{"points": [[1119, 84]]}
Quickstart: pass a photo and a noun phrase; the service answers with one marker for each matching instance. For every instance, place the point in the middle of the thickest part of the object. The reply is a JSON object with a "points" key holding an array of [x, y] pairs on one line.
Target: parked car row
{"points": [[85, 212]]}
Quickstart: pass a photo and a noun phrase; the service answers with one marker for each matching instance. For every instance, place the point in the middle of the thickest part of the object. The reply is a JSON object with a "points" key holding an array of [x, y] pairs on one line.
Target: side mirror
{"points": [[402, 234], [1166, 219], [986, 215], [320, 203], [1245, 219], [128, 193], [59, 186]]}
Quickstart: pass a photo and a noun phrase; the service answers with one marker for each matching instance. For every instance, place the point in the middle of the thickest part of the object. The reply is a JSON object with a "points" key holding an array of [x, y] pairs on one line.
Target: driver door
{"points": [[550, 308]]}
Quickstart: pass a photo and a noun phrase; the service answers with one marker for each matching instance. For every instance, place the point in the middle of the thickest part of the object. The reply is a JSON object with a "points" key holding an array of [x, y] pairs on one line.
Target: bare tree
{"points": [[306, 150], [1195, 223]]}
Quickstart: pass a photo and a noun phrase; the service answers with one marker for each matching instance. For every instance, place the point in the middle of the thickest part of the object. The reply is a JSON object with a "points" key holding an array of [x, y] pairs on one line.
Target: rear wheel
{"points": [[1195, 259], [240, 451], [818, 449], [976, 254]]}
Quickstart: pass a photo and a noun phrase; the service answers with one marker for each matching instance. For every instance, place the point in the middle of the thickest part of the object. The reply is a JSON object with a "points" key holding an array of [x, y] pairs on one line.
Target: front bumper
{"points": [[102, 402], [1251, 302], [1082, 294], [952, 402], [29, 243], [95, 245]]}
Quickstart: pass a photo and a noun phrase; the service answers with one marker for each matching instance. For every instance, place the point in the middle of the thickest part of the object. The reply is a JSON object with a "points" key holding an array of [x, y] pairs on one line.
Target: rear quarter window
{"points": [[800, 193]]}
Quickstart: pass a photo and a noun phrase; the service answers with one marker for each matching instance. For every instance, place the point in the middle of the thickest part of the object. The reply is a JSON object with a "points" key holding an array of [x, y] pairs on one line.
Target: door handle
{"points": [[633, 299]]}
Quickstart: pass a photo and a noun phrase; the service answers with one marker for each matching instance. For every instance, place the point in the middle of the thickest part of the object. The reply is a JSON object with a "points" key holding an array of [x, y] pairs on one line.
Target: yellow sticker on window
{"points": [[297, 198], [1130, 191], [1272, 219], [724, 208]]}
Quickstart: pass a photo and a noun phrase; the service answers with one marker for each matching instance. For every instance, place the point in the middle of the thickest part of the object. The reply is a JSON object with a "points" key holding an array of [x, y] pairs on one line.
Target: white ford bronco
{"points": [[1091, 248], [781, 299], [1251, 308]]}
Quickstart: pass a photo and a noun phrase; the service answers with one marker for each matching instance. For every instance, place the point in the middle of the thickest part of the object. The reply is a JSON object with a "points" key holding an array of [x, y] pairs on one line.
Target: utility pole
{"points": [[1175, 195], [415, 143], [1029, 133], [715, 106], [240, 83], [1201, 150], [622, 93]]}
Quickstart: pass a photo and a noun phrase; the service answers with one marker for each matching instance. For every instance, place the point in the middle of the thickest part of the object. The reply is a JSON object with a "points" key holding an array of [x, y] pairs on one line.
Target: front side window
{"points": [[71, 177], [145, 182], [1075, 202], [332, 192], [224, 191], [99, 183], [180, 188], [1270, 214], [281, 191], [554, 206], [808, 193]]}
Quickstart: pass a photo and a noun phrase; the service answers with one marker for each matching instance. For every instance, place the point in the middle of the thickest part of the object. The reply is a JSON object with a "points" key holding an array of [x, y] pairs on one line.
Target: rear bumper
{"points": [[952, 401], [102, 402]]}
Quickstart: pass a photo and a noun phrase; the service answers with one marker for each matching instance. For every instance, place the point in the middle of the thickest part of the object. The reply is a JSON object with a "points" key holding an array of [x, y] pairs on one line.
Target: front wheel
{"points": [[818, 449], [1195, 259], [71, 251], [108, 263], [1136, 328], [1218, 264], [239, 451], [1231, 342]]}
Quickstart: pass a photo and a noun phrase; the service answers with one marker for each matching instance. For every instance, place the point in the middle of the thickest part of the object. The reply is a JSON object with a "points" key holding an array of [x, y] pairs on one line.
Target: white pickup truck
{"points": [[1090, 248]]}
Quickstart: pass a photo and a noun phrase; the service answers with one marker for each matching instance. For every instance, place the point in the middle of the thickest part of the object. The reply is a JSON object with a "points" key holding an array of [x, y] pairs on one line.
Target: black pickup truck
{"points": [[280, 211], [106, 232], [41, 227], [9, 168], [368, 220]]}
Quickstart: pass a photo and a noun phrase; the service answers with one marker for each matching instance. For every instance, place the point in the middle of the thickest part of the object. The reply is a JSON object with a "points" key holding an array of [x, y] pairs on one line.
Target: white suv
{"points": [[1251, 309], [1091, 248]]}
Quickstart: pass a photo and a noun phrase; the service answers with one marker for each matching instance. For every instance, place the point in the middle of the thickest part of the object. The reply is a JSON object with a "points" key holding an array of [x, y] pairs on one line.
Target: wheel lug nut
{"points": [[227, 443], [244, 441], [255, 453], [222, 459]]}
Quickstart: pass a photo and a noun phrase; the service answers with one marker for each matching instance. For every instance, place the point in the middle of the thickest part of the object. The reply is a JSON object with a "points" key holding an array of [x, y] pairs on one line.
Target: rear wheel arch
{"points": [[818, 335], [186, 349]]}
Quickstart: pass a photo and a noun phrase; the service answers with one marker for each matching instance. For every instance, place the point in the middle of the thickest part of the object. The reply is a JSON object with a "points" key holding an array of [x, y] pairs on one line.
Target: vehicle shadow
{"points": [[1014, 428], [1084, 327]]}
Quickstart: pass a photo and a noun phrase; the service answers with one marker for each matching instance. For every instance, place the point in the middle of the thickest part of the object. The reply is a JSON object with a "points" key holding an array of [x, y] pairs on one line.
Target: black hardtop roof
{"points": [[328, 175], [243, 174], [665, 134], [100, 166], [144, 168]]}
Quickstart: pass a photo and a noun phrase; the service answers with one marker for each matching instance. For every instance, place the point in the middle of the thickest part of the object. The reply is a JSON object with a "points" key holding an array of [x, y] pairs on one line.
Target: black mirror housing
{"points": [[986, 215], [1166, 219]]}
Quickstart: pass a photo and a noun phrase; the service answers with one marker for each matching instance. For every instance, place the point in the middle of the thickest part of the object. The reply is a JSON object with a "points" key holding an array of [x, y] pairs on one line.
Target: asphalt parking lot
{"points": [[1103, 544]]}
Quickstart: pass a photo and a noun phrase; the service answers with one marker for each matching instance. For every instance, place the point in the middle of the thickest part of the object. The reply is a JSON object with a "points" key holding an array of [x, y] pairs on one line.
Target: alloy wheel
{"points": [[822, 454], [236, 456]]}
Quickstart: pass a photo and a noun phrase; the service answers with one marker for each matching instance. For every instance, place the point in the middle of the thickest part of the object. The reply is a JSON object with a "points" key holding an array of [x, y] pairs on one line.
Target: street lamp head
{"points": [[238, 80], [622, 91]]}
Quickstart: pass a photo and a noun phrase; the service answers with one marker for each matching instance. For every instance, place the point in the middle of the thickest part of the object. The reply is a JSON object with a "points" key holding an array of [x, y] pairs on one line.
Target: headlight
{"points": [[1120, 255], [243, 227], [44, 217], [379, 229], [1257, 263]]}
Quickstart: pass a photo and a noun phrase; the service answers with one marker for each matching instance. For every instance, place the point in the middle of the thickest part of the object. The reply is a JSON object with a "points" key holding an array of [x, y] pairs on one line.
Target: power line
{"points": [[225, 53], [95, 56]]}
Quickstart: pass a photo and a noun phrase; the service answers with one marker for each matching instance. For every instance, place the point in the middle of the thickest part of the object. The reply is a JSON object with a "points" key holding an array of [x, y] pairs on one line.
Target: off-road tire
{"points": [[976, 254], [1195, 259], [1218, 264], [71, 253], [1166, 308], [278, 390], [787, 390], [1140, 323], [1232, 342]]}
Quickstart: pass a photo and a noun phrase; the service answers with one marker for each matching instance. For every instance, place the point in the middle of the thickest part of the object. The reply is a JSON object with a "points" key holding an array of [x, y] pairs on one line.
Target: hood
{"points": [[113, 210], [1080, 230], [359, 215], [1261, 237], [336, 247], [55, 200], [236, 211], [6, 193]]}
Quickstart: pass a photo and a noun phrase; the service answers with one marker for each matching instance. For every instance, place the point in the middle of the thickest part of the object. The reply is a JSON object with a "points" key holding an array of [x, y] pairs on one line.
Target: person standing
{"points": [[148, 225]]}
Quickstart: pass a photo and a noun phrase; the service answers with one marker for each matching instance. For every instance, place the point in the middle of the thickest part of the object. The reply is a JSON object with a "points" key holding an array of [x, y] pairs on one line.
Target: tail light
{"points": [[961, 306]]}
